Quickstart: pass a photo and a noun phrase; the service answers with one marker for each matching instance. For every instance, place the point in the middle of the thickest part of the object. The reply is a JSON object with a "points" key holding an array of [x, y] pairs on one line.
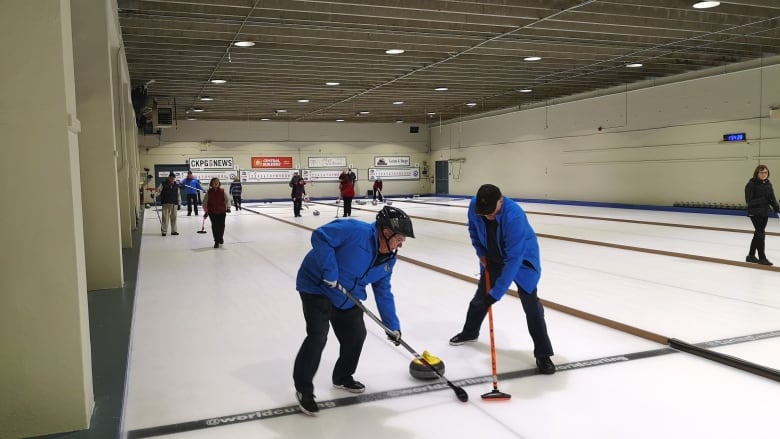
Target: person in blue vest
{"points": [[169, 196], [192, 189], [349, 254], [508, 250]]}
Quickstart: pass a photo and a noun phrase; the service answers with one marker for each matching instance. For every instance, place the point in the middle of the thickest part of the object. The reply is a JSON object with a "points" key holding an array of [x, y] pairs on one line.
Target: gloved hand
{"points": [[394, 336], [331, 283]]}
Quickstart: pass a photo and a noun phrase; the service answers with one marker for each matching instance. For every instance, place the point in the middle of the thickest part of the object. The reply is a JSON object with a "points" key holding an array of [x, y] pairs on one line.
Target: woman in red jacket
{"points": [[347, 188], [216, 204]]}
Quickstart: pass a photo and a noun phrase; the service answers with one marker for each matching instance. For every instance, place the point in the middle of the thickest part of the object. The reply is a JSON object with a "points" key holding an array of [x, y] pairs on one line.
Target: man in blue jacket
{"points": [[349, 254], [191, 187], [507, 248]]}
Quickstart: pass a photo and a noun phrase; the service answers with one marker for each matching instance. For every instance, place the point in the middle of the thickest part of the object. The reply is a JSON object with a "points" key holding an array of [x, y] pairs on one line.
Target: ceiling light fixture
{"points": [[525, 90], [332, 83], [339, 120], [281, 110], [244, 44], [303, 101], [206, 98], [198, 110], [398, 103], [532, 58], [394, 51], [634, 65], [218, 81], [265, 119], [191, 118], [399, 121], [431, 113], [441, 88], [363, 113], [705, 5], [471, 104]]}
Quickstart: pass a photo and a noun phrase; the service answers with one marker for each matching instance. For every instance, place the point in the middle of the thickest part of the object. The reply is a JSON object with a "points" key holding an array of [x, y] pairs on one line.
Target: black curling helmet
{"points": [[396, 220]]}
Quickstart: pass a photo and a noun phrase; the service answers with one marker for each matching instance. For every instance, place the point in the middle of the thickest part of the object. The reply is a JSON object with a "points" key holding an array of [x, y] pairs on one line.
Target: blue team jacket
{"points": [[191, 186], [516, 242], [345, 250]]}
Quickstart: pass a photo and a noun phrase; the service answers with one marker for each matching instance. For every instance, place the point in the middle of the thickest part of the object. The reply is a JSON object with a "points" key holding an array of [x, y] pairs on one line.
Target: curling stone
{"points": [[316, 213], [389, 203], [374, 202], [422, 372]]}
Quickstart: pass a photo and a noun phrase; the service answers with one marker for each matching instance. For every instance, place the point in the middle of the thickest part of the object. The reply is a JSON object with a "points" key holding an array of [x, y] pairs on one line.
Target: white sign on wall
{"points": [[327, 162], [400, 161], [394, 174], [211, 163]]}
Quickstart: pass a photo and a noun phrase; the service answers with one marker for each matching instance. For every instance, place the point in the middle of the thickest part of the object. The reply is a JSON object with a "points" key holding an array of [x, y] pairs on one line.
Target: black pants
{"points": [[237, 201], [378, 194], [297, 205], [347, 206], [218, 226], [350, 330], [192, 201], [534, 315], [759, 236]]}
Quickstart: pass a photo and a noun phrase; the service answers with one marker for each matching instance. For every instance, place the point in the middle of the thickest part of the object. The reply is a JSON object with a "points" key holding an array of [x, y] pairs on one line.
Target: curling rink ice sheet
{"points": [[215, 331]]}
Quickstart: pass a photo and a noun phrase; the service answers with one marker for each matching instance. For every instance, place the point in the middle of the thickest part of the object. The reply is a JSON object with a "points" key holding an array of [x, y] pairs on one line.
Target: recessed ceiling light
{"points": [[218, 81], [265, 119], [441, 88], [471, 104], [394, 51], [332, 83], [303, 101], [634, 65], [364, 113], [398, 103], [244, 44], [198, 110], [705, 5], [206, 98], [525, 90], [339, 120], [532, 58]]}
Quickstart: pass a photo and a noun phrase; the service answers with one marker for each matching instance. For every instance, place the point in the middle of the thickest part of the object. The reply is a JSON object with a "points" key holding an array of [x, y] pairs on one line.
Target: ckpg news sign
{"points": [[211, 163]]}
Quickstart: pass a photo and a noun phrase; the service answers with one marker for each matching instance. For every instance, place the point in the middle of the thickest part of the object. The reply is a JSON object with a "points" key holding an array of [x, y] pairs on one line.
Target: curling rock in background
{"points": [[316, 212], [422, 372]]}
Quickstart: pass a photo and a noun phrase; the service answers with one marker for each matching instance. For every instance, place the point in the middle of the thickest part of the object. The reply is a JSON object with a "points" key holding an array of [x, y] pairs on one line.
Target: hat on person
{"points": [[172, 174], [487, 199], [189, 172]]}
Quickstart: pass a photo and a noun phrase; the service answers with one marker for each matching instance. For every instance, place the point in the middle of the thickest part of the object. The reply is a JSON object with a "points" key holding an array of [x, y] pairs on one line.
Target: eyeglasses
{"points": [[399, 239]]}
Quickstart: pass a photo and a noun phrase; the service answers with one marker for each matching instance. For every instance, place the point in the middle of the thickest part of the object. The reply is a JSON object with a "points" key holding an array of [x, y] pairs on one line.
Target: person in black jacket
{"points": [[170, 198], [759, 196]]}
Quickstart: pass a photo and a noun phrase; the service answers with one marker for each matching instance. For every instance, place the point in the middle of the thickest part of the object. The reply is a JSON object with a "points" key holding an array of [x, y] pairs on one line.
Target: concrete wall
{"points": [[359, 143], [653, 145]]}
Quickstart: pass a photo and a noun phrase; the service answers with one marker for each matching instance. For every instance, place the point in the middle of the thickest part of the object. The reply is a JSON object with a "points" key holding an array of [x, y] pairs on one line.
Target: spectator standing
{"points": [[192, 189], [235, 191], [347, 190], [759, 195], [169, 195], [298, 194], [216, 205]]}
